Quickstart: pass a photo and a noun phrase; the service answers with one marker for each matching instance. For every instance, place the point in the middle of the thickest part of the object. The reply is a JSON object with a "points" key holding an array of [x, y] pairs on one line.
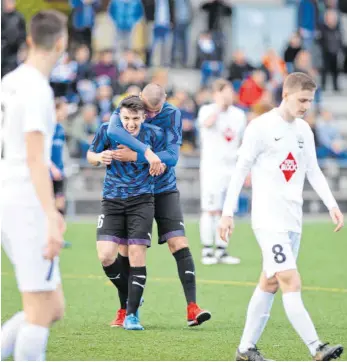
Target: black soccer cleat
{"points": [[252, 354], [328, 353]]}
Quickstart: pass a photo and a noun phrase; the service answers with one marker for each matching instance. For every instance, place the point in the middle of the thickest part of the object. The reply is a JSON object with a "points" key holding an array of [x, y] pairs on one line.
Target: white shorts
{"points": [[280, 250], [24, 236], [213, 189]]}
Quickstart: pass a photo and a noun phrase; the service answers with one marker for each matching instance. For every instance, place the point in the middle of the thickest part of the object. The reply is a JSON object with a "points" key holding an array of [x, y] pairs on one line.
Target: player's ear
{"points": [[29, 41], [59, 45], [140, 96]]}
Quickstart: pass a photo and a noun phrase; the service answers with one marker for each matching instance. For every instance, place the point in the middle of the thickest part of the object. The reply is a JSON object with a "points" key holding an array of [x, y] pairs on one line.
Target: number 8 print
{"points": [[279, 256]]}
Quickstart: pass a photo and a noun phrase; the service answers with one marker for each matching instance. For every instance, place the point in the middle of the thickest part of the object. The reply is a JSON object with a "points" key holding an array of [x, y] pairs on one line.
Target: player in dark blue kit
{"points": [[168, 214], [125, 222], [57, 164]]}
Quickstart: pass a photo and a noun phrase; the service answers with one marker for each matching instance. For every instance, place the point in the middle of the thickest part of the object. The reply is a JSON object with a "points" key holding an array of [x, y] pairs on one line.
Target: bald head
{"points": [[153, 95]]}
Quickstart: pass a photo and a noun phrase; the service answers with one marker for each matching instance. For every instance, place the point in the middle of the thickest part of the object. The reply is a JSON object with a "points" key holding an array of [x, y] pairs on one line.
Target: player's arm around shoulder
{"points": [[98, 153], [157, 142]]}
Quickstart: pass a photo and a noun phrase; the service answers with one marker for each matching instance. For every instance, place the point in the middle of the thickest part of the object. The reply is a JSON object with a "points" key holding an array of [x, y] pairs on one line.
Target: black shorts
{"points": [[59, 188], [127, 221], [168, 215]]}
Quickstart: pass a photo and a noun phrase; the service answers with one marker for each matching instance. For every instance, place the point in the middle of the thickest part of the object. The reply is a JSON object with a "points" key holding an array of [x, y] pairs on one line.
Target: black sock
{"points": [[118, 279], [186, 272], [124, 273], [137, 282]]}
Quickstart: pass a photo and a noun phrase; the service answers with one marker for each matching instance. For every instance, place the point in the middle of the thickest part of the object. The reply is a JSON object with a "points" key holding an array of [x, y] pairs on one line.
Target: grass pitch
{"points": [[225, 290]]}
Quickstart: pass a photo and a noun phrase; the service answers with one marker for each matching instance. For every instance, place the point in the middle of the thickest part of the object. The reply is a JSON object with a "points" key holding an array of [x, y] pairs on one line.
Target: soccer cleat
{"points": [[223, 257], [207, 256], [252, 354], [119, 319], [196, 315], [132, 323], [327, 353]]}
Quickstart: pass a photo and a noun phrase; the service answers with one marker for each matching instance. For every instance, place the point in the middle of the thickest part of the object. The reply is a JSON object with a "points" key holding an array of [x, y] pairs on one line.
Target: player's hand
{"points": [[56, 173], [154, 162], [56, 229], [124, 154], [106, 157], [162, 168], [337, 217], [226, 227]]}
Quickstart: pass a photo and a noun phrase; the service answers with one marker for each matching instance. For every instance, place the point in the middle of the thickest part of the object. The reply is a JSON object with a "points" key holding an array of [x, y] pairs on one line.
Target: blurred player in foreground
{"points": [[32, 227], [126, 219], [279, 148], [222, 126]]}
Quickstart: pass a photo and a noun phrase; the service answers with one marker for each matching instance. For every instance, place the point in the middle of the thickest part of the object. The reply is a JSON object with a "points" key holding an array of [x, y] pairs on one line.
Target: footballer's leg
{"points": [[169, 218], [139, 219], [110, 241], [25, 335], [258, 313]]}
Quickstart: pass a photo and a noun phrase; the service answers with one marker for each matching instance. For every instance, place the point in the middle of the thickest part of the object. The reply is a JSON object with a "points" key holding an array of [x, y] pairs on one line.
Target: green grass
{"points": [[91, 303]]}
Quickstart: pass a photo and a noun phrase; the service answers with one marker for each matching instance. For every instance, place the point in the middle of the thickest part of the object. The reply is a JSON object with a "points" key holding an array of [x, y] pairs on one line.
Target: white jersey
{"points": [[219, 143], [27, 105], [280, 154]]}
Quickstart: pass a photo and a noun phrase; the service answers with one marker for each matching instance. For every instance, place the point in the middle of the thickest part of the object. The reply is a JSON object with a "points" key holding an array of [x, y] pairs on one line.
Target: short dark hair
{"points": [[299, 81], [46, 27], [154, 94], [133, 103]]}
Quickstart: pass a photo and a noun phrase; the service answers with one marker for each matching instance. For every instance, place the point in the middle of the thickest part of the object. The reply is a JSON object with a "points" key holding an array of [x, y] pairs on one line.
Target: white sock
{"points": [[258, 314], [218, 241], [9, 332], [301, 320], [207, 229], [31, 342]]}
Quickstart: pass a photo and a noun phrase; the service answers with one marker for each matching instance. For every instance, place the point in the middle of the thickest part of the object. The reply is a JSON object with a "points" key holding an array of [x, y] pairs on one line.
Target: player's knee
{"points": [[289, 280], [137, 255], [177, 243], [106, 257], [59, 312]]}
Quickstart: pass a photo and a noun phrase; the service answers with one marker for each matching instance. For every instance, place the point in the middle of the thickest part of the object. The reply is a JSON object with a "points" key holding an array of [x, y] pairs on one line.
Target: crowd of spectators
{"points": [[94, 81]]}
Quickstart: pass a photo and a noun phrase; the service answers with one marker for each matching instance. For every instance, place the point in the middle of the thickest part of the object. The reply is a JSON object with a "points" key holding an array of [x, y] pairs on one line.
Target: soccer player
{"points": [[126, 219], [32, 228], [279, 149], [168, 213], [222, 126], [57, 163]]}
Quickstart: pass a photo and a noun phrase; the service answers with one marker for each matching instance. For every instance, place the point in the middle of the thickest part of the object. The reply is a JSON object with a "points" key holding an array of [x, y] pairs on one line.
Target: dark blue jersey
{"points": [[58, 147], [127, 179], [170, 121]]}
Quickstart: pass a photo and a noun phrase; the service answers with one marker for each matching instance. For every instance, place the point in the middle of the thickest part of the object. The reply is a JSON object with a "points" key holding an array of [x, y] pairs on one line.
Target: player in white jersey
{"points": [[32, 228], [221, 129], [279, 149]]}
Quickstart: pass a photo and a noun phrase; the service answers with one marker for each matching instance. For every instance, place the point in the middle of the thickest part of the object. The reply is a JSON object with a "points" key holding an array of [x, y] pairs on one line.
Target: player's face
{"points": [[131, 120], [298, 103], [228, 95]]}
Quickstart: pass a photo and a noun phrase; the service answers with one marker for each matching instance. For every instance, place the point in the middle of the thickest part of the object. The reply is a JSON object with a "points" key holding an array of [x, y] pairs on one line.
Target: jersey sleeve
{"points": [[35, 114], [315, 175], [117, 133], [251, 147], [100, 141], [158, 140]]}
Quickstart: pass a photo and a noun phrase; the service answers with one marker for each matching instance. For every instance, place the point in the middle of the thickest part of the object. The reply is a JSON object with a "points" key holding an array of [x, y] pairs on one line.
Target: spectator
{"points": [[83, 129], [106, 65], [308, 19], [275, 67], [209, 58], [133, 90], [216, 10], [183, 18], [84, 66], [164, 20], [125, 14], [104, 96], [83, 17], [13, 35], [161, 77], [291, 51], [239, 69], [343, 20], [202, 96], [331, 45], [130, 59], [252, 89], [87, 91], [63, 78], [125, 80], [329, 137]]}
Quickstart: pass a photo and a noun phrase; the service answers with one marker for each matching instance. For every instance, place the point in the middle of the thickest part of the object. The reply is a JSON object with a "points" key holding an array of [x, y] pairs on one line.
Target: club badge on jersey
{"points": [[229, 134]]}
